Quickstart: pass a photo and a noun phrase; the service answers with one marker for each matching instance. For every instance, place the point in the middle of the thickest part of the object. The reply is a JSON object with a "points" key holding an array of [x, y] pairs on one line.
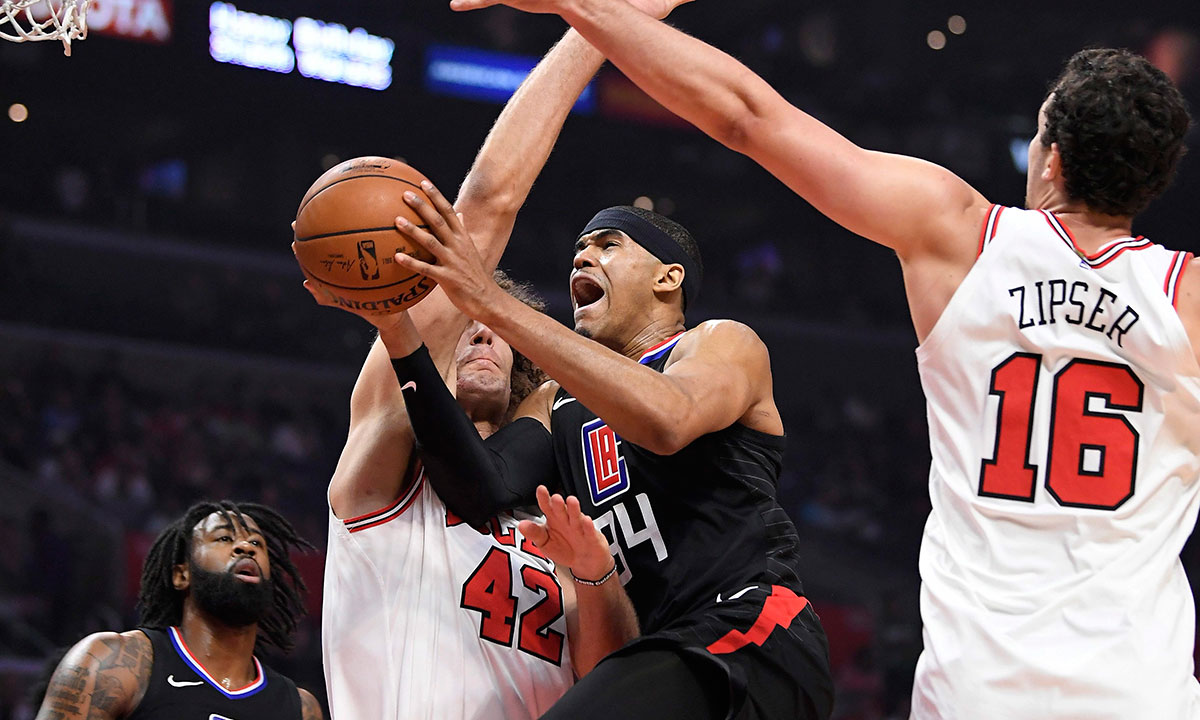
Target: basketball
{"points": [[346, 236]]}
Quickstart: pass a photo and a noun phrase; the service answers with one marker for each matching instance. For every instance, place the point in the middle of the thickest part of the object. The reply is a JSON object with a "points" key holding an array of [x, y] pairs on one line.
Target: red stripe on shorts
{"points": [[780, 609]]}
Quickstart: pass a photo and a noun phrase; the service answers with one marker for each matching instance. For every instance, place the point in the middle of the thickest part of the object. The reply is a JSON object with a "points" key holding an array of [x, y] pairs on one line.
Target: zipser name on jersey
{"points": [[1047, 302]]}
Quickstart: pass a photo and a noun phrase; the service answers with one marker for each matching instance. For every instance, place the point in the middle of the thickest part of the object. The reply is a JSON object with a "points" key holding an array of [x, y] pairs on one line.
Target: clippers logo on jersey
{"points": [[602, 462]]}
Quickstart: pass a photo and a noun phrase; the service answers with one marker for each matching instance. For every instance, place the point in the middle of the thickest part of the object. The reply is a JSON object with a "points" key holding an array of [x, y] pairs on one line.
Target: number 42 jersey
{"points": [[1064, 419], [427, 618]]}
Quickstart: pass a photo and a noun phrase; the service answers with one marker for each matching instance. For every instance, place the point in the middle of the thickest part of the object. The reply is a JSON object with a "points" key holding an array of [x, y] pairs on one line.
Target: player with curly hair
{"points": [[217, 585]]}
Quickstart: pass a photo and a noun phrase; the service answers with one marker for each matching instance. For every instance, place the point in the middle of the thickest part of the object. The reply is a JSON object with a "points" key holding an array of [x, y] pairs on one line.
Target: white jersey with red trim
{"points": [[426, 617], [1064, 421]]}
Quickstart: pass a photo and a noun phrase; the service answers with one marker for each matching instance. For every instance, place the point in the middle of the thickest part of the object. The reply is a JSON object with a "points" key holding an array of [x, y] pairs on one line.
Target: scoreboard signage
{"points": [[316, 48]]}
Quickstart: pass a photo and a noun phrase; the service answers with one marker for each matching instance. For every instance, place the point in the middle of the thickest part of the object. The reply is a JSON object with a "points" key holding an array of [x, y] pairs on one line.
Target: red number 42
{"points": [[489, 591], [1091, 458]]}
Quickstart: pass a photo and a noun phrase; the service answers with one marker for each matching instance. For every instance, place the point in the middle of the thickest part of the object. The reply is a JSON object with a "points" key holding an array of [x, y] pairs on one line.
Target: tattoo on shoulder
{"points": [[106, 696], [112, 671], [65, 695]]}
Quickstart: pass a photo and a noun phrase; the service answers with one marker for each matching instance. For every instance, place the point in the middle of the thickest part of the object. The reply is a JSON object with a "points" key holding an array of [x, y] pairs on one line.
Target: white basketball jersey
{"points": [[427, 617], [1064, 421]]}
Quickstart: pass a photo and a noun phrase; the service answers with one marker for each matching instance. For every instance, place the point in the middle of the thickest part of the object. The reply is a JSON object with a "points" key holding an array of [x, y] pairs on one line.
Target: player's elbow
{"points": [[667, 437], [490, 191], [747, 113], [733, 129]]}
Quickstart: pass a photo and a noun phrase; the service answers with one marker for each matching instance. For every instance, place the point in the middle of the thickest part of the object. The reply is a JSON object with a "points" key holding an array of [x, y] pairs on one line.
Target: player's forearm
{"points": [[907, 205], [520, 142], [639, 404], [474, 479], [692, 79], [376, 393], [606, 621]]}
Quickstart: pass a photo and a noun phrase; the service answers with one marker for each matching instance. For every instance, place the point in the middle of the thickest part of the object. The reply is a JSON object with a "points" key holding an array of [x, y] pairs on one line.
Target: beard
{"points": [[229, 600]]}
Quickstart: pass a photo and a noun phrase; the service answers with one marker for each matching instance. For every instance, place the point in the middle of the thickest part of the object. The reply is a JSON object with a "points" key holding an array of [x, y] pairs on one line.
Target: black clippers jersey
{"points": [[683, 527], [181, 689]]}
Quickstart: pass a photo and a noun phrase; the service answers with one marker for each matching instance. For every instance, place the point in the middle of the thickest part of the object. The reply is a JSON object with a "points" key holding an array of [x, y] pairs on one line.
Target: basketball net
{"points": [[26, 20]]}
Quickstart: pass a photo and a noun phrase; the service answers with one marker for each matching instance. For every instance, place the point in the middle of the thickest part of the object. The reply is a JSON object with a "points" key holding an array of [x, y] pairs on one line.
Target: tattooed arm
{"points": [[310, 709], [103, 677]]}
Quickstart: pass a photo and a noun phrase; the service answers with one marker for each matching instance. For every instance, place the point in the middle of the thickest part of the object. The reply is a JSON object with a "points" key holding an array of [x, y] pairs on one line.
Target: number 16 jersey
{"points": [[1064, 420]]}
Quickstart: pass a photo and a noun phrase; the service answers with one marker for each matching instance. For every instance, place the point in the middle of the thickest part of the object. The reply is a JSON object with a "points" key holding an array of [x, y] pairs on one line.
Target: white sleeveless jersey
{"points": [[426, 617], [1064, 421]]}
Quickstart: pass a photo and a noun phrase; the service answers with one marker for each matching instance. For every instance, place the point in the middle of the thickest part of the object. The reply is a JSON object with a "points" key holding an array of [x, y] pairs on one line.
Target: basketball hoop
{"points": [[26, 20]]}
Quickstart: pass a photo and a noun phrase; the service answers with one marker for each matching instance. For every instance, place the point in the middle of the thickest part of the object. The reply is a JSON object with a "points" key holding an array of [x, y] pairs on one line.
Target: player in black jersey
{"points": [[669, 438], [216, 584]]}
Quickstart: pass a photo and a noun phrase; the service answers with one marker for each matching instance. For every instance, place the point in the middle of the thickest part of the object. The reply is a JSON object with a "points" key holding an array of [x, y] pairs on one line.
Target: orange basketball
{"points": [[346, 237]]}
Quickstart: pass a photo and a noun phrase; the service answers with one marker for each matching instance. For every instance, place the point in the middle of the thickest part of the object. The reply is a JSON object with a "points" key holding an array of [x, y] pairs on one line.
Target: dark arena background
{"points": [[156, 345]]}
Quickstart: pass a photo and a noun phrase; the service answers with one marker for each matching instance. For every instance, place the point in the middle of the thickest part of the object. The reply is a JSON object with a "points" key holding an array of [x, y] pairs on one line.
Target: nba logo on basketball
{"points": [[605, 468], [367, 262]]}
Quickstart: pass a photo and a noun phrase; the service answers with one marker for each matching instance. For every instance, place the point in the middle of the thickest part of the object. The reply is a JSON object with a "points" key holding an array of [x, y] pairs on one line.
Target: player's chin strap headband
{"points": [[657, 243]]}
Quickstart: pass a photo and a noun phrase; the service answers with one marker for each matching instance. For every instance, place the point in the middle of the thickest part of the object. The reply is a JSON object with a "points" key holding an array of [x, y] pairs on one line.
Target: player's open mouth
{"points": [[247, 570], [585, 291]]}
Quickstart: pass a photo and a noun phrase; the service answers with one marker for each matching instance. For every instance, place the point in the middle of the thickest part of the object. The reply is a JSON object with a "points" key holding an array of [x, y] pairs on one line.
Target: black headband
{"points": [[657, 243]]}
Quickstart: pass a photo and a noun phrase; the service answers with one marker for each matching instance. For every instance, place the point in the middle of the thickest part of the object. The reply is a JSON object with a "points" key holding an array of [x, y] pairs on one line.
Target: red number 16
{"points": [[1091, 458]]}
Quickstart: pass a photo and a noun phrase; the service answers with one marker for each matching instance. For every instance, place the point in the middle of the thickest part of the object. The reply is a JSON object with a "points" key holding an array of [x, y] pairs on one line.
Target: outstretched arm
{"points": [[503, 173], [103, 677], [894, 200]]}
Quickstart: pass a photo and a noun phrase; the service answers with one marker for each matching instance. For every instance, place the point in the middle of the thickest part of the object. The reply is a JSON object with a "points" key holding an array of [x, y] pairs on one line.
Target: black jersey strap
{"points": [[475, 479]]}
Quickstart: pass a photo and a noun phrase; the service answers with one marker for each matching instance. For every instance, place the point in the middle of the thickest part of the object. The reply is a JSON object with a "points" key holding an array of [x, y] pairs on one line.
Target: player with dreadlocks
{"points": [[217, 585]]}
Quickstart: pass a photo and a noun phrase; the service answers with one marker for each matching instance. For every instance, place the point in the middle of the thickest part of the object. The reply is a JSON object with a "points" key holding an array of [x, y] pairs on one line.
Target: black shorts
{"points": [[761, 656]]}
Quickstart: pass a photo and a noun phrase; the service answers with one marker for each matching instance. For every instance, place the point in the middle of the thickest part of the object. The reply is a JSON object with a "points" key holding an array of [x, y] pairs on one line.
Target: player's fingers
{"points": [[574, 512], [319, 293], [543, 498], [443, 206], [408, 262], [535, 532], [420, 236], [558, 511], [430, 215]]}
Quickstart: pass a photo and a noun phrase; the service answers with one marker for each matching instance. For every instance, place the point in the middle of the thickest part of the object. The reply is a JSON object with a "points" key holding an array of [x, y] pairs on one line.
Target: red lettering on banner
{"points": [[148, 20]]}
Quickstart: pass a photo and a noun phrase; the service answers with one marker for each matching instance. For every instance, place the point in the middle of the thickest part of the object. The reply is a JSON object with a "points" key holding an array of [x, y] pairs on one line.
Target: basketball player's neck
{"points": [[1090, 229], [486, 428], [652, 334], [486, 412], [226, 652]]}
